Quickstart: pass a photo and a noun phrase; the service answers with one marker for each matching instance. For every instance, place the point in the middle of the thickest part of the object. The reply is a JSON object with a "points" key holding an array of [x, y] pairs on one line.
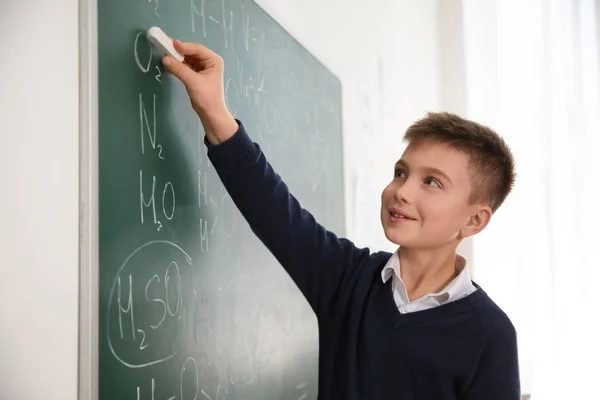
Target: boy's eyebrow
{"points": [[429, 170]]}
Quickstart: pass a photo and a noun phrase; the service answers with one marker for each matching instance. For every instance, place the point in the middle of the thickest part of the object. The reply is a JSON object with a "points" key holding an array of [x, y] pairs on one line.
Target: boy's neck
{"points": [[427, 271]]}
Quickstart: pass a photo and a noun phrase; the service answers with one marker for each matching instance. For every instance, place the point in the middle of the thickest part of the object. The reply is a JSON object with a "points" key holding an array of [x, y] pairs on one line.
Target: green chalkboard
{"points": [[191, 304]]}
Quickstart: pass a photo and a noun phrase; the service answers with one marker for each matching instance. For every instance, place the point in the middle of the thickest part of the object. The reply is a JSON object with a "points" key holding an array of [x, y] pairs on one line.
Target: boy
{"points": [[408, 325]]}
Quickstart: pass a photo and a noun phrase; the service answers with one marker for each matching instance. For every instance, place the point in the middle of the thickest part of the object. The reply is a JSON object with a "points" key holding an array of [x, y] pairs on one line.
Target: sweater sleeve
{"points": [[497, 374], [315, 258]]}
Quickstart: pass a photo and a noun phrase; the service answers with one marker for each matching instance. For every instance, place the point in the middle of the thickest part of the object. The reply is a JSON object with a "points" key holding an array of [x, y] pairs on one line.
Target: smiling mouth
{"points": [[397, 216]]}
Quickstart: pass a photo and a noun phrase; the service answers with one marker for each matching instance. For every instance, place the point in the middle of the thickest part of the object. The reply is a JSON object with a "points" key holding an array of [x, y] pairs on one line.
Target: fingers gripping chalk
{"points": [[163, 43]]}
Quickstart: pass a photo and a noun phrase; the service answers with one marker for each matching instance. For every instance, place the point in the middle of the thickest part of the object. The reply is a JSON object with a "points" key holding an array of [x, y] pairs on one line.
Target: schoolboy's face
{"points": [[426, 205]]}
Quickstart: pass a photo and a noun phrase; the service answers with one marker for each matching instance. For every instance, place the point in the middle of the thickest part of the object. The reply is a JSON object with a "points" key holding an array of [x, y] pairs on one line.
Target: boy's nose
{"points": [[406, 192]]}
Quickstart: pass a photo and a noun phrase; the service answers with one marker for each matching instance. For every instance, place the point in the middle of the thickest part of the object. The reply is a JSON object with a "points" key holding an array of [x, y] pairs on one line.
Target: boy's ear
{"points": [[478, 221]]}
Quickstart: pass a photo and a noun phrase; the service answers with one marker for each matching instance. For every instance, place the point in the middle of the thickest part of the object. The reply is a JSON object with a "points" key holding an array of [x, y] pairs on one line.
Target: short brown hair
{"points": [[491, 161]]}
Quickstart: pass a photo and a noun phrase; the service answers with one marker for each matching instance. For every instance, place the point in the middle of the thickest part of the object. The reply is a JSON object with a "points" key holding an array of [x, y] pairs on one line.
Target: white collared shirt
{"points": [[460, 287]]}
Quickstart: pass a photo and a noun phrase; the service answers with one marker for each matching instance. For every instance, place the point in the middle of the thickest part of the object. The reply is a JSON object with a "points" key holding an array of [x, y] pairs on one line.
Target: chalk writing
{"points": [[168, 196], [156, 7], [203, 235], [150, 202], [227, 28], [152, 392], [146, 129], [144, 123], [246, 27], [191, 368], [157, 76], [232, 96], [173, 264], [200, 14], [136, 51], [128, 310], [143, 345], [156, 299], [168, 188], [146, 48], [171, 302]]}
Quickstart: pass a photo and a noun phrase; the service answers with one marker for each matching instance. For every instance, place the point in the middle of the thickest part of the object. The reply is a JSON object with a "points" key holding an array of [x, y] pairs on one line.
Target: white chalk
{"points": [[163, 43]]}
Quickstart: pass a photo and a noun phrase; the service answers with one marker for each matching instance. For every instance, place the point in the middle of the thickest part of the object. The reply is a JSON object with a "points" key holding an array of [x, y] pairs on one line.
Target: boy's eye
{"points": [[432, 182], [400, 173]]}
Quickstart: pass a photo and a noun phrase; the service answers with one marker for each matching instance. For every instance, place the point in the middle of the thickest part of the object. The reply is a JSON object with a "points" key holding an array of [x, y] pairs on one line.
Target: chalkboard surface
{"points": [[192, 305]]}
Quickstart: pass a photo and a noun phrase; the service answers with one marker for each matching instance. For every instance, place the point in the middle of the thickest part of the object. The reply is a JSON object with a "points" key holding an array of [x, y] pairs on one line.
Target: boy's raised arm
{"points": [[314, 257]]}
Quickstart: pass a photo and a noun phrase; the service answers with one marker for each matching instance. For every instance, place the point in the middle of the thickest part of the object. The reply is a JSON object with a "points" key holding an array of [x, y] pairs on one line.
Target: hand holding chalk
{"points": [[201, 72]]}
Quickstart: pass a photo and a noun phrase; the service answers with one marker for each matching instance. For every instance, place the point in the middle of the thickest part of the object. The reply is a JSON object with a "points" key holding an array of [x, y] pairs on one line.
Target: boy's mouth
{"points": [[399, 215]]}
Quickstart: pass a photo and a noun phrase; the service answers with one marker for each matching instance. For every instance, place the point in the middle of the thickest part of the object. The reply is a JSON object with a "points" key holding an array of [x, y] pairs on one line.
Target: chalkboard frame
{"points": [[88, 200]]}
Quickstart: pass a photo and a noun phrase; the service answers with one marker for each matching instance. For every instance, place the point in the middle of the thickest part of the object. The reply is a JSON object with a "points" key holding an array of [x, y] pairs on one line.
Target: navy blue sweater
{"points": [[368, 350]]}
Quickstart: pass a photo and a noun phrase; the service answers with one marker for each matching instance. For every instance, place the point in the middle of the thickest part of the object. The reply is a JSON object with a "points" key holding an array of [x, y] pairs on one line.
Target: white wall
{"points": [[453, 79], [39, 199], [386, 52]]}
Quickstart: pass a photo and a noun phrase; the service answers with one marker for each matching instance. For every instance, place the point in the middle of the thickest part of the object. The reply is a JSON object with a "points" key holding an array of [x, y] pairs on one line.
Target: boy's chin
{"points": [[404, 239], [401, 240]]}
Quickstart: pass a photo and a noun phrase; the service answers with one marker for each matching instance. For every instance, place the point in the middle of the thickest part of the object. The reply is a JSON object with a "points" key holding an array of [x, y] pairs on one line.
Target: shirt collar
{"points": [[459, 287], [391, 267]]}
